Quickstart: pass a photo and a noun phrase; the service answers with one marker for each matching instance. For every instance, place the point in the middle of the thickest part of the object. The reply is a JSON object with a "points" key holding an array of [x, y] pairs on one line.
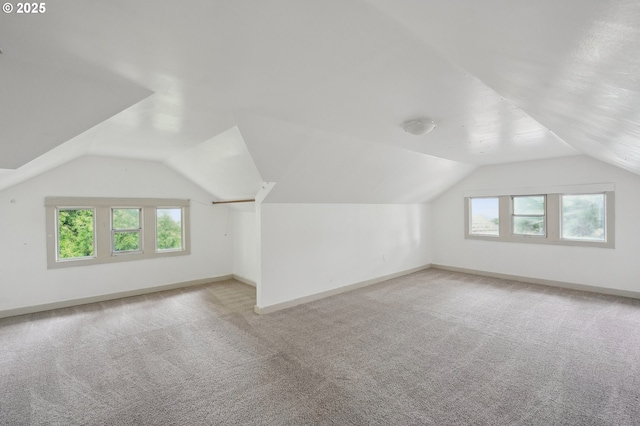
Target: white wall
{"points": [[312, 248], [245, 243], [617, 268], [24, 277]]}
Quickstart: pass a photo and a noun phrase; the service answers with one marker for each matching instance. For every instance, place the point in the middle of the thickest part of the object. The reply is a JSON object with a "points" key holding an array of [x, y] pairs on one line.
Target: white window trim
{"points": [[56, 219], [141, 229], [184, 232], [467, 229], [103, 233], [553, 216], [513, 215]]}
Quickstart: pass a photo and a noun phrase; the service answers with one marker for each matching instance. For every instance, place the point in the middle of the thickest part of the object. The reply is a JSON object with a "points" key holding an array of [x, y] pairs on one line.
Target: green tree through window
{"points": [[528, 215], [583, 217], [108, 230], [169, 229], [75, 233], [126, 229]]}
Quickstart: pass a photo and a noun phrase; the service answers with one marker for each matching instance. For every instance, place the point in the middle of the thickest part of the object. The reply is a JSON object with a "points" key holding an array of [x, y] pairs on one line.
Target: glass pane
{"points": [[75, 233], [169, 229], [126, 218], [583, 217], [485, 216], [126, 241], [528, 225], [528, 205]]}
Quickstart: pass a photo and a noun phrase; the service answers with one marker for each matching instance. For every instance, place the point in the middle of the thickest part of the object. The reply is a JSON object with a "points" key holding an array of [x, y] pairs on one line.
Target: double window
{"points": [[126, 230], [528, 215], [82, 231], [585, 219]]}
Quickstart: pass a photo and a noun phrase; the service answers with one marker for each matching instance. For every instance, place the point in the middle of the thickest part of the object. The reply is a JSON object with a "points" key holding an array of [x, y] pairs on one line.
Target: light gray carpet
{"points": [[433, 347]]}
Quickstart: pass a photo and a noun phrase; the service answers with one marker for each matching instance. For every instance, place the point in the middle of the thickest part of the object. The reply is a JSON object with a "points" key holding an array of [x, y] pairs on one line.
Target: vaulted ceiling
{"points": [[312, 94]]}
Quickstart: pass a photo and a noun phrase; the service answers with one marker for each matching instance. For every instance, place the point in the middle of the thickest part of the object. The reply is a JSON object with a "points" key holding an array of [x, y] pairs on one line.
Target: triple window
{"points": [[85, 231], [585, 219]]}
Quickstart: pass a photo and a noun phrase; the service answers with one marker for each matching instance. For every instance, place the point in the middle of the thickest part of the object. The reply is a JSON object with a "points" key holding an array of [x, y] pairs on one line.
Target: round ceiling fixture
{"points": [[419, 126]]}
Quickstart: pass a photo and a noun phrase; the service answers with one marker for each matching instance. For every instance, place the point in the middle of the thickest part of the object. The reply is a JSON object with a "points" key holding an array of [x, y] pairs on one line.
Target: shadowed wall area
{"points": [[432, 347]]}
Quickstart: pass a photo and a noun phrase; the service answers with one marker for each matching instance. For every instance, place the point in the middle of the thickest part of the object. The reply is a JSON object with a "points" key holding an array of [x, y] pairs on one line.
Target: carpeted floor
{"points": [[430, 348]]}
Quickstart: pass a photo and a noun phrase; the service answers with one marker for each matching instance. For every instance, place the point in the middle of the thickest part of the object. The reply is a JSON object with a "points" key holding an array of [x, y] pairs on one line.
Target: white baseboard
{"points": [[110, 296], [317, 296], [312, 297], [551, 283], [244, 280]]}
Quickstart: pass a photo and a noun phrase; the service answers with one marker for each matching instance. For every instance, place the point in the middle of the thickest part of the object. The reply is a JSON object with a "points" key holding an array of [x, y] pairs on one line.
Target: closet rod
{"points": [[234, 201]]}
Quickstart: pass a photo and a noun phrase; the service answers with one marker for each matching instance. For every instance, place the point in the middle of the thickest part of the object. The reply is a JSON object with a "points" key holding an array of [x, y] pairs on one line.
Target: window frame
{"points": [[182, 219], [513, 215], [140, 229], [103, 229], [553, 215], [57, 242], [470, 219], [606, 223]]}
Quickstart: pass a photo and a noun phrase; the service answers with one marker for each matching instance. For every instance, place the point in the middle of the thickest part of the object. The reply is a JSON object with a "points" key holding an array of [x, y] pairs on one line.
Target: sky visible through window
{"points": [[487, 207], [485, 216], [175, 213]]}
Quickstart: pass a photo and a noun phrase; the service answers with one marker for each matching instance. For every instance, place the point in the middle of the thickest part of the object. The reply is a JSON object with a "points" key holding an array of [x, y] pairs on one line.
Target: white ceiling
{"points": [[311, 95], [310, 165], [43, 107], [222, 166], [573, 66]]}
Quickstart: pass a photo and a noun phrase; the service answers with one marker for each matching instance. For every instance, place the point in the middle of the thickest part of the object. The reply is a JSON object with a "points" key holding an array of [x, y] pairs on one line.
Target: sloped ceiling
{"points": [[45, 105], [222, 166], [573, 66], [318, 90], [310, 171]]}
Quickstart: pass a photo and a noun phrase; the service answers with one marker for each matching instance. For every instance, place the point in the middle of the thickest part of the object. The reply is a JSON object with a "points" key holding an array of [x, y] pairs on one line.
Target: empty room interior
{"points": [[320, 212]]}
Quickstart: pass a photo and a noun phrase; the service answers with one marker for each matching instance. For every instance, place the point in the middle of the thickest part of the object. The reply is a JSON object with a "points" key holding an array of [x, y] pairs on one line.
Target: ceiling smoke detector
{"points": [[419, 126]]}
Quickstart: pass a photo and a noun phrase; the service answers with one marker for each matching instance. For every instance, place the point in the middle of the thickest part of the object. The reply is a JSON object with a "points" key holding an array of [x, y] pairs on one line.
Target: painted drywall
{"points": [[315, 166], [308, 249], [245, 243], [221, 165], [616, 268], [24, 277]]}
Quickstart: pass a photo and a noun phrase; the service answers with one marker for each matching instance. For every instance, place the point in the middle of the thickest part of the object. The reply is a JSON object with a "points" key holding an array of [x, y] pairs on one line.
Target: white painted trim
{"points": [[317, 296], [115, 202], [550, 283], [244, 280], [553, 213], [103, 234], [110, 296], [560, 189]]}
